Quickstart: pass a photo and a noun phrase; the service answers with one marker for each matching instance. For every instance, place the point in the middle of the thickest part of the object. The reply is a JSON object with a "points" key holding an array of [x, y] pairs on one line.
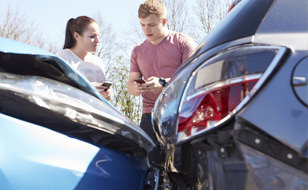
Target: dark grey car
{"points": [[236, 115]]}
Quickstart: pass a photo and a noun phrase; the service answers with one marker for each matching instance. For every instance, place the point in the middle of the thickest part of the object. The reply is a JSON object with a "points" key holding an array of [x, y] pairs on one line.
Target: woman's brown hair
{"points": [[78, 25]]}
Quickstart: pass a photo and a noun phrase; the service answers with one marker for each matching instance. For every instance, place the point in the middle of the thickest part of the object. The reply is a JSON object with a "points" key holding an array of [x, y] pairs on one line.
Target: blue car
{"points": [[58, 132]]}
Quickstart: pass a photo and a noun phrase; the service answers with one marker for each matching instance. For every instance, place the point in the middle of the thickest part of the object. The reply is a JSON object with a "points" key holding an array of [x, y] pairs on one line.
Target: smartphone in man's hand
{"points": [[140, 80]]}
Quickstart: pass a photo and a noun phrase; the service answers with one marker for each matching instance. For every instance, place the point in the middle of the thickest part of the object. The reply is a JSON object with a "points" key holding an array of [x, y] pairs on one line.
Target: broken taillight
{"points": [[201, 111], [220, 86]]}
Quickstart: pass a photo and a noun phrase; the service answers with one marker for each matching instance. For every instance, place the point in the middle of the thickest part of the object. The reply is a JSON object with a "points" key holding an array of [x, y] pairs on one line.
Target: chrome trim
{"points": [[224, 83], [182, 137], [300, 81]]}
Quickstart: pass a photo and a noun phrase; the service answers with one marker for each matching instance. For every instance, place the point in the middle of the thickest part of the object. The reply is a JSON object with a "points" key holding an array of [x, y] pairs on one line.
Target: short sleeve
{"points": [[188, 47]]}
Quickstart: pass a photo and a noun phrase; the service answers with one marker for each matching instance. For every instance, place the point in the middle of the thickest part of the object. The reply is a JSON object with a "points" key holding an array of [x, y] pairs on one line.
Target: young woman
{"points": [[81, 38]]}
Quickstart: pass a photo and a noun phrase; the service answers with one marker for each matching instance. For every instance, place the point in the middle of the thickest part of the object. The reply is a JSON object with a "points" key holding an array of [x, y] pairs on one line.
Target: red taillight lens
{"points": [[200, 111]]}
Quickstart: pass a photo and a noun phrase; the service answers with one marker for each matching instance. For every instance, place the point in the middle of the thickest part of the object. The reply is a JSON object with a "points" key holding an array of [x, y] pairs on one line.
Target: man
{"points": [[156, 59]]}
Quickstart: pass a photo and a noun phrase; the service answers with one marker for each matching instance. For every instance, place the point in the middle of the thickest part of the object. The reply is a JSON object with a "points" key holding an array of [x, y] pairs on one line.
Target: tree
{"points": [[13, 25], [117, 69], [209, 13], [108, 48], [115, 55], [129, 105], [177, 15], [135, 35]]}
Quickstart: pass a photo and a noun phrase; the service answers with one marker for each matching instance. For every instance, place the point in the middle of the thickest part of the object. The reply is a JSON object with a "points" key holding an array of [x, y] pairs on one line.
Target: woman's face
{"points": [[88, 41]]}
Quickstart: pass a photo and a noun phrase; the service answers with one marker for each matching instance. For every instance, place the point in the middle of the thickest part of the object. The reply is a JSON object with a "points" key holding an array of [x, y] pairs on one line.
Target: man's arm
{"points": [[132, 86]]}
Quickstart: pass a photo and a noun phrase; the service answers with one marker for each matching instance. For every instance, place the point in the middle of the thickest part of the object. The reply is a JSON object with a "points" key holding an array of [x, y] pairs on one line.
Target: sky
{"points": [[52, 15]]}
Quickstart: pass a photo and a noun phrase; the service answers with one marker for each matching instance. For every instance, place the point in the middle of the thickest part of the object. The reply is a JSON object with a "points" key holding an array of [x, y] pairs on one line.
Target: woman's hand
{"points": [[102, 90], [105, 93]]}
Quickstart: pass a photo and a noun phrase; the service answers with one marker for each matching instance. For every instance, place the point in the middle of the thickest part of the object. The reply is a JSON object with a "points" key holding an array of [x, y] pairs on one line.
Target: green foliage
{"points": [[129, 105]]}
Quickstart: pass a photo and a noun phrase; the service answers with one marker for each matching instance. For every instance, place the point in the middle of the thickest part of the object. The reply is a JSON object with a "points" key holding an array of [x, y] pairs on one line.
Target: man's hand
{"points": [[153, 85], [132, 86]]}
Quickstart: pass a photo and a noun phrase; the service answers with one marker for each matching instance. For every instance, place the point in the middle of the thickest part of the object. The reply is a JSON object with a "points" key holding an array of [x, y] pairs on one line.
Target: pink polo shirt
{"points": [[160, 60]]}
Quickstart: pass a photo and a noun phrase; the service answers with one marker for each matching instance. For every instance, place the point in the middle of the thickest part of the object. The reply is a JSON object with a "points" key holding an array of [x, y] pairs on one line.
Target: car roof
{"points": [[260, 17], [11, 46], [286, 16]]}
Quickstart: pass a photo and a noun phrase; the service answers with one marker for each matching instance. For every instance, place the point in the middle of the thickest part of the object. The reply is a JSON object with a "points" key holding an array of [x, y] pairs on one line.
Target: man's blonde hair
{"points": [[148, 7]]}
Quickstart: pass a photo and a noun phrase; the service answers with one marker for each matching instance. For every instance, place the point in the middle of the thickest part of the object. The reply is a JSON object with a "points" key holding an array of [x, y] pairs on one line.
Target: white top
{"points": [[92, 67]]}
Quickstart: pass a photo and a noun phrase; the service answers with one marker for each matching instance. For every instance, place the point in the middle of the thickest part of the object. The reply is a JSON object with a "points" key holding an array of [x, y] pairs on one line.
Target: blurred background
{"points": [[42, 24]]}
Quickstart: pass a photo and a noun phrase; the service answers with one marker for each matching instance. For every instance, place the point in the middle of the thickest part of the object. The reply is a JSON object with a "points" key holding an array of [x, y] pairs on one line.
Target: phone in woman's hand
{"points": [[106, 85]]}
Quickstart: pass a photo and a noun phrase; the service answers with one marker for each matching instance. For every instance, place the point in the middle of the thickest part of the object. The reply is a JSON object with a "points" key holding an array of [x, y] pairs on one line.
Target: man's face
{"points": [[89, 38], [153, 28]]}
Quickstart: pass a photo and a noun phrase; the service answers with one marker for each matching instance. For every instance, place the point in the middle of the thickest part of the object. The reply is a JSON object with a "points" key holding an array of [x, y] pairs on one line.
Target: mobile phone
{"points": [[106, 85], [140, 80]]}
